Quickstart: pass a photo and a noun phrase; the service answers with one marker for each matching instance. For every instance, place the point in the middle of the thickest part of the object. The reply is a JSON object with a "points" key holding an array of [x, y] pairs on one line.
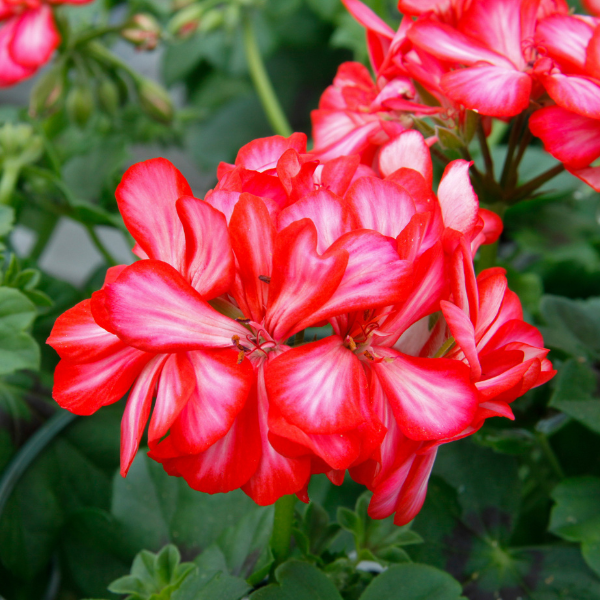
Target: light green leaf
{"points": [[16, 311]]}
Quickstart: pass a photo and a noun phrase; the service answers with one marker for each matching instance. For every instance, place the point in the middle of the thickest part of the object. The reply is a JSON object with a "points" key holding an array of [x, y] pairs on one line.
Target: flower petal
{"points": [[146, 197], [153, 308], [459, 202], [319, 387], [380, 205], [221, 390], [137, 410], [432, 398], [489, 89], [580, 95], [209, 257], [11, 72], [35, 38], [302, 281], [407, 150], [83, 388], [263, 153]]}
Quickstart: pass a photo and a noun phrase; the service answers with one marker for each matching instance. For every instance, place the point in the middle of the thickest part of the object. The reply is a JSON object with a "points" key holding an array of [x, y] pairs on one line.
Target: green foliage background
{"points": [[512, 513]]}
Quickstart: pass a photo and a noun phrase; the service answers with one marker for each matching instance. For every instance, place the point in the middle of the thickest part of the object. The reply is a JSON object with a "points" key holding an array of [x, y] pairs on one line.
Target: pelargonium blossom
{"points": [[28, 37], [212, 322]]}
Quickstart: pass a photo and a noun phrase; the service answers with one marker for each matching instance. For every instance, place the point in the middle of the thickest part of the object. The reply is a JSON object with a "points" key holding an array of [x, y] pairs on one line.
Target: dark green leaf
{"points": [[574, 394], [219, 586], [298, 581], [413, 582]]}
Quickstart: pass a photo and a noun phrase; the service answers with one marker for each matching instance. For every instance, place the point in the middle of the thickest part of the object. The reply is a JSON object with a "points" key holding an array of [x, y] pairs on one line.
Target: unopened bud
{"points": [[80, 105], [155, 101], [47, 91], [186, 21], [212, 20], [143, 30], [108, 96]]}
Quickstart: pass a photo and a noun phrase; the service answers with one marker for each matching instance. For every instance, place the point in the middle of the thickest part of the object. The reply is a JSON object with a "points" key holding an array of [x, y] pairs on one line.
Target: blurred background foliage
{"points": [[511, 513]]}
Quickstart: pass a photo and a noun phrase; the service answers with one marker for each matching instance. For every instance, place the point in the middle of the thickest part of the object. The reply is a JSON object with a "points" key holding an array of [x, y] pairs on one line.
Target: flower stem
{"points": [[262, 83], [10, 175], [36, 443], [523, 192], [282, 528], [485, 150], [549, 454], [100, 246]]}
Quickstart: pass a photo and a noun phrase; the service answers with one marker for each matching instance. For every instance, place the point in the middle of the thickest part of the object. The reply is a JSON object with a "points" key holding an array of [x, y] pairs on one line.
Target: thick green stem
{"points": [[10, 175], [549, 454], [283, 521], [100, 246], [262, 83], [27, 454]]}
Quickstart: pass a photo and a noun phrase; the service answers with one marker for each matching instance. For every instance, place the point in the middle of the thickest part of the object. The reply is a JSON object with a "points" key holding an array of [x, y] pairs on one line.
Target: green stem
{"points": [[515, 133], [485, 150], [262, 83], [523, 192], [27, 454], [10, 175], [549, 454], [445, 347], [439, 155], [100, 246], [96, 33], [283, 521], [44, 235]]}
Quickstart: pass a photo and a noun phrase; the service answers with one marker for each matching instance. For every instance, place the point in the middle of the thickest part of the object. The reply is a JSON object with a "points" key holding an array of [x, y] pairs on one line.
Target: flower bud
{"points": [[108, 96], [143, 30], [48, 91], [80, 105], [155, 101], [186, 21]]}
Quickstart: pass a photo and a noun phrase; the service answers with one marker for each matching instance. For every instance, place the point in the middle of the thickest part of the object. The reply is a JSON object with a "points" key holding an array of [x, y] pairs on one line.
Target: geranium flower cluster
{"points": [[28, 37], [307, 316], [498, 58]]}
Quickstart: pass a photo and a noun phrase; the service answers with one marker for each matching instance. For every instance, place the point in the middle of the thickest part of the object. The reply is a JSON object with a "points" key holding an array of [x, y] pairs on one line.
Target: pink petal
{"points": [[11, 72], [226, 465], [407, 150], [592, 58], [146, 197], [78, 338], [177, 382], [302, 280], [565, 38], [375, 275], [223, 201], [263, 153], [489, 90], [330, 215], [83, 388], [463, 332], [569, 137], [338, 173], [404, 491], [497, 24], [252, 236], [319, 387], [492, 290], [153, 308], [35, 38], [137, 410], [459, 202], [221, 390], [591, 176], [577, 94], [431, 397], [368, 19], [449, 44], [209, 258], [276, 475], [380, 205]]}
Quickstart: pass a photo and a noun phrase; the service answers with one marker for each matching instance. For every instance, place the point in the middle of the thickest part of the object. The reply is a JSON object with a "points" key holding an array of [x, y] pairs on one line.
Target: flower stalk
{"points": [[262, 83], [283, 521]]}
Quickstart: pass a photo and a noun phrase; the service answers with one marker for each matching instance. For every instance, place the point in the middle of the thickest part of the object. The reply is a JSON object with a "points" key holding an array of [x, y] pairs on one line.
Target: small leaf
{"points": [[298, 581], [348, 520], [16, 311], [219, 586], [413, 582]]}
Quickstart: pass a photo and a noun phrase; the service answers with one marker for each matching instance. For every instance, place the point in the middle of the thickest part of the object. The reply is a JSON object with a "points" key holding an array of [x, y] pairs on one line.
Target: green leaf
{"points": [[219, 586], [574, 394], [573, 326], [17, 351], [413, 582], [7, 218], [16, 311], [155, 509], [298, 581], [576, 516]]}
